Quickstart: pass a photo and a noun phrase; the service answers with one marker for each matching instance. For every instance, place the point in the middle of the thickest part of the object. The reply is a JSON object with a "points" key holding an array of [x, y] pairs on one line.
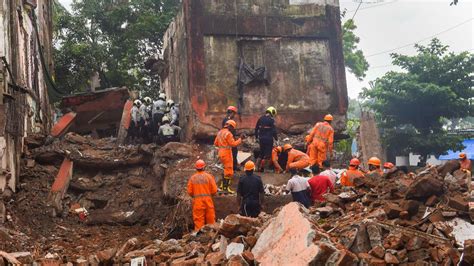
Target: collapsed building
{"points": [[254, 54], [25, 67]]}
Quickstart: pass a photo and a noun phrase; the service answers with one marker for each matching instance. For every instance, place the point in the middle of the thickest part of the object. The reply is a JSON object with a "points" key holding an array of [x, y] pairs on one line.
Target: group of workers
{"points": [[156, 121], [250, 190]]}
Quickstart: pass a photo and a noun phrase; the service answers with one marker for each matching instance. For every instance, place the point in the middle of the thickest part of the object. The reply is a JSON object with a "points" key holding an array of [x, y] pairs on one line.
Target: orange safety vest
{"points": [[275, 159], [202, 184], [296, 155], [322, 131], [225, 139], [347, 178]]}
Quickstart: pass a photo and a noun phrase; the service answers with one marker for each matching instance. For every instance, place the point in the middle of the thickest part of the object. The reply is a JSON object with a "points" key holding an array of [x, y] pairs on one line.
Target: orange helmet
{"points": [[200, 164], [249, 166], [287, 147], [328, 117], [231, 123], [278, 148], [388, 165], [232, 108], [462, 155], [374, 161], [354, 162]]}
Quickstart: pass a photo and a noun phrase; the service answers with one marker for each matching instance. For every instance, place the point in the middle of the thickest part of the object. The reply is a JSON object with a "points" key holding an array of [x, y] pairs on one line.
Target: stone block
{"points": [[392, 210]]}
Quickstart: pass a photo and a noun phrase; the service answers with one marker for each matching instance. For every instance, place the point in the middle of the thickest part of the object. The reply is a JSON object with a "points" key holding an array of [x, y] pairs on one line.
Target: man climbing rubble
{"points": [[159, 109], [299, 188], [134, 129], [375, 169], [321, 141], [296, 159], [231, 113], [201, 187], [168, 133], [265, 133], [347, 178], [250, 192], [224, 141], [319, 185]]}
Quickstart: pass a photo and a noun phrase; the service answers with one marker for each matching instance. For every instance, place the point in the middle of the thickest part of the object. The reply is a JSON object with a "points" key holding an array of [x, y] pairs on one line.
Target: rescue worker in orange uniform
{"points": [[320, 141], [466, 164], [201, 187], [347, 178], [296, 159], [225, 141], [374, 167], [231, 113], [275, 158]]}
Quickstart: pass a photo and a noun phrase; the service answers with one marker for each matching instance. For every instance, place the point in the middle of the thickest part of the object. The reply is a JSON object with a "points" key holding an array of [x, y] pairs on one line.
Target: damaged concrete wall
{"points": [[24, 103], [299, 42]]}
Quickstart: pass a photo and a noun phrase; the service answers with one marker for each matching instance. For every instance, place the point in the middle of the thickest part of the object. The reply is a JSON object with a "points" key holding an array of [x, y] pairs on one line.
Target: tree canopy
{"points": [[111, 38], [413, 105], [353, 57]]}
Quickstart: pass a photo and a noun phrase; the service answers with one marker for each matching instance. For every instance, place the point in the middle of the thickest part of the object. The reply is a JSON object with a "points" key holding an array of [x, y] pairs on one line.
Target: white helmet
{"points": [[162, 96], [165, 119], [137, 103], [147, 100], [170, 103]]}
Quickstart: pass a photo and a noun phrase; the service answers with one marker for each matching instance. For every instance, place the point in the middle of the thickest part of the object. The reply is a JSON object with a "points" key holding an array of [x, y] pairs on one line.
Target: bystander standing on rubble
{"points": [[134, 129], [144, 121], [224, 141], [353, 172], [167, 132], [299, 188], [296, 159], [327, 171], [375, 169], [265, 133], [319, 184], [250, 192], [231, 113], [158, 111], [201, 187], [321, 141]]}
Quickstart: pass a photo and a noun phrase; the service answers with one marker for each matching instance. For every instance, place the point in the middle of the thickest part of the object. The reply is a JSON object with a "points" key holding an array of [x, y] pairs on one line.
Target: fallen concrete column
{"points": [[60, 186]]}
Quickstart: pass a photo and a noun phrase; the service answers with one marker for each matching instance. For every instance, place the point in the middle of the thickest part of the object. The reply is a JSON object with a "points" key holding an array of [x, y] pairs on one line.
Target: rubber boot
{"points": [[229, 183], [257, 163]]}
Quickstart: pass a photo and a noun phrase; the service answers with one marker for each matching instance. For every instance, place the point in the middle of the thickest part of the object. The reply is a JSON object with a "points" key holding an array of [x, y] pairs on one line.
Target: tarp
{"points": [[469, 151]]}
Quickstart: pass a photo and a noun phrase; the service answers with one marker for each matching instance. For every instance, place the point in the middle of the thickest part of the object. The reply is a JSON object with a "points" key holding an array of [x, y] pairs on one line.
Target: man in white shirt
{"points": [[298, 186], [329, 172]]}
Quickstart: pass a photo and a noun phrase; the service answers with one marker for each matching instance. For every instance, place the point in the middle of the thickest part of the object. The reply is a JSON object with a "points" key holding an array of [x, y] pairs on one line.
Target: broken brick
{"points": [[468, 254], [424, 187], [414, 243], [392, 210], [378, 252], [248, 256], [411, 206], [458, 203], [416, 255], [250, 240], [391, 259], [431, 201]]}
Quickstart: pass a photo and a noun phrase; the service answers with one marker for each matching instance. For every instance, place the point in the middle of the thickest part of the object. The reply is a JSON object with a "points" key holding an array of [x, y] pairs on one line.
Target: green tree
{"points": [[109, 37], [412, 106], [354, 58]]}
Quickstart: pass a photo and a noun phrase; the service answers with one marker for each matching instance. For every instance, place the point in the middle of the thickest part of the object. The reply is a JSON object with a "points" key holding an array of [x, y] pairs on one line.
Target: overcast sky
{"points": [[387, 25]]}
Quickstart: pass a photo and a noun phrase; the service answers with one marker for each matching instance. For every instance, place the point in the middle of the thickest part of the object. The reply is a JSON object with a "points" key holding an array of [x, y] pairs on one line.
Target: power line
{"points": [[360, 3], [427, 38], [369, 7]]}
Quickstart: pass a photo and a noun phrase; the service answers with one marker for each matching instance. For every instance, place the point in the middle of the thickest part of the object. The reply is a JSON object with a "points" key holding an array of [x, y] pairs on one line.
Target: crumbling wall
{"points": [[24, 104], [299, 42]]}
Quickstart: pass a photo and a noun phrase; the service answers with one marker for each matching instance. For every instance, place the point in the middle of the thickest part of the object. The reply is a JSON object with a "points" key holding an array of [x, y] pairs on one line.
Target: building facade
{"points": [[254, 54], [25, 72]]}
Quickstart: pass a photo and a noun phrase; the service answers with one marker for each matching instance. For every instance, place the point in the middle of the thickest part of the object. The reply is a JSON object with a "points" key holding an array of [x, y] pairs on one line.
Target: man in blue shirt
{"points": [[250, 193]]}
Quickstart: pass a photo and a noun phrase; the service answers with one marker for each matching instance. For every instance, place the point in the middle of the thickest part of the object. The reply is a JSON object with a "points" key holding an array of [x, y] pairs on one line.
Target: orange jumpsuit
{"points": [[224, 142], [201, 186], [320, 140], [347, 178], [275, 153], [297, 159], [466, 164]]}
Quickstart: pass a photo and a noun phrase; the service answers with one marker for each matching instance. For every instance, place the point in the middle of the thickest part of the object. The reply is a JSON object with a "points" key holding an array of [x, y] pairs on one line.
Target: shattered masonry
{"points": [[24, 103]]}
